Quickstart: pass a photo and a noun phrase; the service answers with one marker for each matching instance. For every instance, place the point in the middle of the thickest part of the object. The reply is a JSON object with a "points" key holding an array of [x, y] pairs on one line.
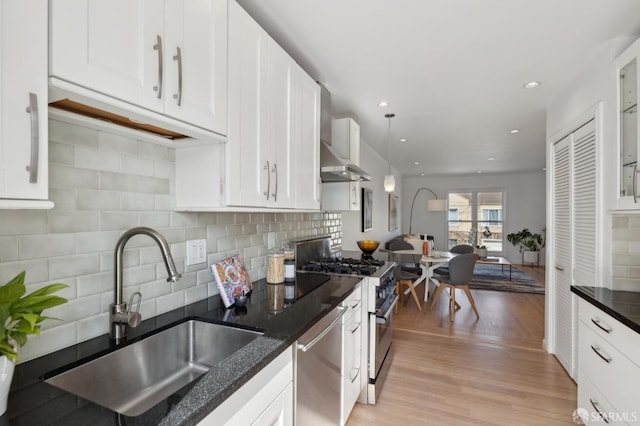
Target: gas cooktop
{"points": [[344, 266]]}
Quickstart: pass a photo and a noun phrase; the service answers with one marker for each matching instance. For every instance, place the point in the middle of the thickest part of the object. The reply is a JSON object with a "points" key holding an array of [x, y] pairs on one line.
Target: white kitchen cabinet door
{"points": [[262, 97], [246, 166], [341, 196], [307, 143], [23, 104], [278, 107], [114, 48], [166, 56], [196, 62], [628, 127]]}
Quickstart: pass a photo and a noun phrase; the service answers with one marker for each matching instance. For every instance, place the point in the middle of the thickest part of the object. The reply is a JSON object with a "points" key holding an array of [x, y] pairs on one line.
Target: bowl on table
{"points": [[368, 246]]}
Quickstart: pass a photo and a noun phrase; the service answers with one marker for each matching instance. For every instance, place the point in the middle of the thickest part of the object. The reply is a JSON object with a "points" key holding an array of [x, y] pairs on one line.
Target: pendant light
{"points": [[389, 179]]}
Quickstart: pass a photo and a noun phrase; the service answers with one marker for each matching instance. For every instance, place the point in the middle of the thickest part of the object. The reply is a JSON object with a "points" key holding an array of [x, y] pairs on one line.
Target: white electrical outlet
{"points": [[196, 252], [271, 240]]}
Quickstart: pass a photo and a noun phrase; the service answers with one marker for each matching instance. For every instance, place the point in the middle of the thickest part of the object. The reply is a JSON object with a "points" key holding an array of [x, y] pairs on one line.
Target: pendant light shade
{"points": [[389, 179], [389, 183]]}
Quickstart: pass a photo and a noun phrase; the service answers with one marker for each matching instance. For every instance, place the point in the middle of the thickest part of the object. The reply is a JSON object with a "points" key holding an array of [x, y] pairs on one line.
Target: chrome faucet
{"points": [[121, 314]]}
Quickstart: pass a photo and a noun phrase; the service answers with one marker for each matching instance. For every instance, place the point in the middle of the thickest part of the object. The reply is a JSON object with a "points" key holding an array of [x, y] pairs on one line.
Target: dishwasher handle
{"points": [[305, 348]]}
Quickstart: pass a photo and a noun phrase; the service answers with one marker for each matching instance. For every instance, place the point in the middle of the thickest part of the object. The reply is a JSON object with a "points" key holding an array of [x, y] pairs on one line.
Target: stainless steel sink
{"points": [[135, 378]]}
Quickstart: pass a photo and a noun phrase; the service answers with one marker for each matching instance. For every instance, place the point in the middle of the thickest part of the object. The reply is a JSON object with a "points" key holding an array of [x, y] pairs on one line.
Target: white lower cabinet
{"points": [[351, 372], [265, 400], [609, 368]]}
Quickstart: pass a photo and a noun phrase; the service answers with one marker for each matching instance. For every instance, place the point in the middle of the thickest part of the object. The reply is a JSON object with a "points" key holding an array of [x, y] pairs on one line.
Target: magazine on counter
{"points": [[231, 278]]}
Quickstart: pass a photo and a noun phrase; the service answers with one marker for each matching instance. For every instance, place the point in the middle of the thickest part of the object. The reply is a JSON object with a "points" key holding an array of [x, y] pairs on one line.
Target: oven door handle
{"points": [[383, 319], [320, 335]]}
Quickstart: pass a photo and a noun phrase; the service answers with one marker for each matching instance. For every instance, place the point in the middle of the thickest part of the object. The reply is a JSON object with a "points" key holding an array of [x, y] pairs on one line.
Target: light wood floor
{"points": [[487, 371]]}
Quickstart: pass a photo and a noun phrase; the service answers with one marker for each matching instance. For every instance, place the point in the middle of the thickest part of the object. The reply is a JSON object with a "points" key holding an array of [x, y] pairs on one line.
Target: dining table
{"points": [[428, 264]]}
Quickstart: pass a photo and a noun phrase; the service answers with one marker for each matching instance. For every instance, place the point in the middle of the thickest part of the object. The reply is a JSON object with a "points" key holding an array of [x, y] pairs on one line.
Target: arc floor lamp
{"points": [[436, 205]]}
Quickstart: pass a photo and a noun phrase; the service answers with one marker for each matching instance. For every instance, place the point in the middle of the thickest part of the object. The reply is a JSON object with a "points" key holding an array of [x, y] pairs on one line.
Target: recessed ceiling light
{"points": [[491, 158], [514, 131], [479, 171], [532, 85], [383, 104], [403, 140], [544, 169], [416, 163], [421, 174]]}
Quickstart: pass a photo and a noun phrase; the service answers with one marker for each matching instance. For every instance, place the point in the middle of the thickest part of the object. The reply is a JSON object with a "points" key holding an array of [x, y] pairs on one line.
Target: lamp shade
{"points": [[437, 205], [389, 183]]}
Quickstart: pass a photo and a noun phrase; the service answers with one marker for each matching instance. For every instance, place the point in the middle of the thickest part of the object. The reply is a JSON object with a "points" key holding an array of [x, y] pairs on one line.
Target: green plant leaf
{"points": [[7, 350], [37, 303], [12, 291], [51, 288]]}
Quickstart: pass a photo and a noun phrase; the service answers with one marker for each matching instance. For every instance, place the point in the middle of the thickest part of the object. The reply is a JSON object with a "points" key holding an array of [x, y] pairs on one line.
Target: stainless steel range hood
{"points": [[333, 168]]}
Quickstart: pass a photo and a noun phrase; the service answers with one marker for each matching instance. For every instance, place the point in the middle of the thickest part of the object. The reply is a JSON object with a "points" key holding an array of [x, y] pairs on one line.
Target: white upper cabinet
{"points": [[628, 123], [167, 57], [23, 104], [307, 144], [272, 158]]}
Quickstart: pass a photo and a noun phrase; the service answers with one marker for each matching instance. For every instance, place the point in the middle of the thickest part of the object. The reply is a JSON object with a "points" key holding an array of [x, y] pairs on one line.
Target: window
{"points": [[453, 215], [479, 210]]}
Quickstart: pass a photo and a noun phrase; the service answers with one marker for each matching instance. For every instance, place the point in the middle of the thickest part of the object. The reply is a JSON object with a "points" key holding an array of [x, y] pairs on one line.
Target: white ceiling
{"points": [[452, 70]]}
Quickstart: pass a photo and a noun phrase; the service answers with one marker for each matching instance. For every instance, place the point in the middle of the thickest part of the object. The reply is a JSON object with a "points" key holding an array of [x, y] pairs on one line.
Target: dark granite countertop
{"points": [[34, 402], [622, 305]]}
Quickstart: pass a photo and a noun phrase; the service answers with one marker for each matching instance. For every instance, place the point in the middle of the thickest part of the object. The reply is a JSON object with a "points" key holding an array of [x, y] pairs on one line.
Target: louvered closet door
{"points": [[584, 205], [561, 240]]}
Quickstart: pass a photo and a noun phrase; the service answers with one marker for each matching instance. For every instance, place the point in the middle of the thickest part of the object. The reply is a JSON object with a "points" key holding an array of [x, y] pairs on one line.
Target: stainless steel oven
{"points": [[381, 302]]}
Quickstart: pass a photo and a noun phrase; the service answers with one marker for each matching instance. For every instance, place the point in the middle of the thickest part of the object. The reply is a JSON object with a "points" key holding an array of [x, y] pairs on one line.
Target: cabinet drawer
{"points": [[593, 406], [613, 331], [613, 374]]}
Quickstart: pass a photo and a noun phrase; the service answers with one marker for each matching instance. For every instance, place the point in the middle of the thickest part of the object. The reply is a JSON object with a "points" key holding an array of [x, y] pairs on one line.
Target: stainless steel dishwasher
{"points": [[319, 360]]}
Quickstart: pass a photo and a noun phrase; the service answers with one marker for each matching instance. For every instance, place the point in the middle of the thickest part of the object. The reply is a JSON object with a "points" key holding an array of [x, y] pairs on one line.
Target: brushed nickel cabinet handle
{"points": [[158, 47], [32, 109], [559, 268], [178, 57], [275, 192], [634, 177], [596, 349], [595, 404], [356, 327], [597, 323], [267, 168], [355, 376]]}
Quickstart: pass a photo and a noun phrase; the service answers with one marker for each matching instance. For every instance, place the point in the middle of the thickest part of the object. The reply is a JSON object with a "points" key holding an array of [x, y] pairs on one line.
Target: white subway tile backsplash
{"points": [[93, 326], [625, 243], [62, 153], [154, 185], [102, 185], [170, 302], [132, 201], [99, 200], [46, 245], [70, 177], [73, 221], [118, 182], [50, 341], [194, 294], [70, 133], [8, 249], [74, 266], [136, 166]]}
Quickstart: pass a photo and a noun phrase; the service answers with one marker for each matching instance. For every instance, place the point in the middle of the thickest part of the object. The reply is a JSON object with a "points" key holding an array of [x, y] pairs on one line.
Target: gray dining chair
{"points": [[460, 273], [458, 249]]}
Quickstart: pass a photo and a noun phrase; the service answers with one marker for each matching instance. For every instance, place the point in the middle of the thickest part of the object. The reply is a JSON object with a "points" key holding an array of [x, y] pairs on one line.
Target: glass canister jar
{"points": [[275, 267], [289, 269]]}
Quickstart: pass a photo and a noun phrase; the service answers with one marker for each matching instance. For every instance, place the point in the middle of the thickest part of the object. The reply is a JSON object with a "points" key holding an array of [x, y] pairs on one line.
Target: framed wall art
{"points": [[367, 209], [393, 212]]}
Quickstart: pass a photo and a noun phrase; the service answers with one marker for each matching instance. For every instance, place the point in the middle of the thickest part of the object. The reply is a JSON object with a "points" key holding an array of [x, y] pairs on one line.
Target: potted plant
{"points": [[20, 316], [529, 244]]}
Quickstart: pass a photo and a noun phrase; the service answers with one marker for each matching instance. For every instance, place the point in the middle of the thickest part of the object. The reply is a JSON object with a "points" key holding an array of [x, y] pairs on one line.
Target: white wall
{"points": [[524, 204], [377, 167]]}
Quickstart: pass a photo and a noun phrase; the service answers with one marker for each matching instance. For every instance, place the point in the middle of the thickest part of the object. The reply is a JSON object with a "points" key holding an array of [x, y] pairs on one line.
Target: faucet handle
{"points": [[134, 318]]}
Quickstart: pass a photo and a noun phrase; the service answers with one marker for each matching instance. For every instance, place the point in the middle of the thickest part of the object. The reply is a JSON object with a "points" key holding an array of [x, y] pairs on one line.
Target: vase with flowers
{"points": [[20, 316]]}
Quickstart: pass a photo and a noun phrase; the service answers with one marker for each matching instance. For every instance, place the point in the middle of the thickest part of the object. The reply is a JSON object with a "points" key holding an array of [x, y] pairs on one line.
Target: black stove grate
{"points": [[345, 266]]}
